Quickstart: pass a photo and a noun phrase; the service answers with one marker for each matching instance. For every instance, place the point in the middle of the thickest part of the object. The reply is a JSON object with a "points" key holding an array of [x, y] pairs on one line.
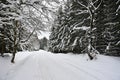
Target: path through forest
{"points": [[42, 65]]}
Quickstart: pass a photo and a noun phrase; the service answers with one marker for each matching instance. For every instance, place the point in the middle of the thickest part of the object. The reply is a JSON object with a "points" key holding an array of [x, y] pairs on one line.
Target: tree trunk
{"points": [[90, 57], [14, 51], [13, 58], [3, 45], [2, 52], [14, 43], [91, 27]]}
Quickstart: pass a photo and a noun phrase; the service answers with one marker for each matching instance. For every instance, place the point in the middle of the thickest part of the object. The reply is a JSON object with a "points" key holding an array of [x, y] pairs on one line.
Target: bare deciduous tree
{"points": [[91, 7]]}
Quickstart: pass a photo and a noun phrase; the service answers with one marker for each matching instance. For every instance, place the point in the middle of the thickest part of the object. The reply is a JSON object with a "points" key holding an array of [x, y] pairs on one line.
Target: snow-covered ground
{"points": [[42, 65]]}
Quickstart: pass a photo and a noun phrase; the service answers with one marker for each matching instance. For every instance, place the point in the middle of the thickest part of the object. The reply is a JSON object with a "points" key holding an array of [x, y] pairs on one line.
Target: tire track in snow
{"points": [[58, 71], [43, 69], [46, 66], [91, 69], [81, 67], [72, 69], [65, 65]]}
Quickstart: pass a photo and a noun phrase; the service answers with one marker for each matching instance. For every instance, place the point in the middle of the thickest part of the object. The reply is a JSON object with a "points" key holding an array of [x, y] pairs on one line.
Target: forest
{"points": [[78, 26], [91, 26], [21, 21], [59, 39]]}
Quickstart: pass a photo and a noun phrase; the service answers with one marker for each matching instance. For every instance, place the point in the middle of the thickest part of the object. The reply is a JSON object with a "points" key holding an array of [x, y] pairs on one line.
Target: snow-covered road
{"points": [[42, 65]]}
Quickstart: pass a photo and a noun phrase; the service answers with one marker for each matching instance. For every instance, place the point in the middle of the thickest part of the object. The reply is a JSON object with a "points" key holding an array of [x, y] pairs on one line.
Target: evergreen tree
{"points": [[77, 28], [68, 34], [107, 23], [90, 25]]}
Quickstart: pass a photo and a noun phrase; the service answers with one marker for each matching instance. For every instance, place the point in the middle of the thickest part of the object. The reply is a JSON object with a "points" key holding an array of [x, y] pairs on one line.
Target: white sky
{"points": [[44, 34]]}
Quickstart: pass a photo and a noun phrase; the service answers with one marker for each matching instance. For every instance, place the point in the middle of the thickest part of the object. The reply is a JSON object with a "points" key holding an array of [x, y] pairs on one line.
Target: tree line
{"points": [[20, 21], [87, 26]]}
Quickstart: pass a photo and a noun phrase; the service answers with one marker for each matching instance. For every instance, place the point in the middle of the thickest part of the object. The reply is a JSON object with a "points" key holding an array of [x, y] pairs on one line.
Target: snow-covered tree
{"points": [[17, 15], [10, 21], [59, 31], [90, 26], [108, 30], [75, 31]]}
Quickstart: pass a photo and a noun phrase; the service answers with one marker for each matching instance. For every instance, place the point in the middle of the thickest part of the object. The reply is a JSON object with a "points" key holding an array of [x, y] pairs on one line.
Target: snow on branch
{"points": [[98, 5], [95, 2], [82, 28], [91, 4], [82, 4], [117, 1], [79, 23], [118, 8], [118, 43]]}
